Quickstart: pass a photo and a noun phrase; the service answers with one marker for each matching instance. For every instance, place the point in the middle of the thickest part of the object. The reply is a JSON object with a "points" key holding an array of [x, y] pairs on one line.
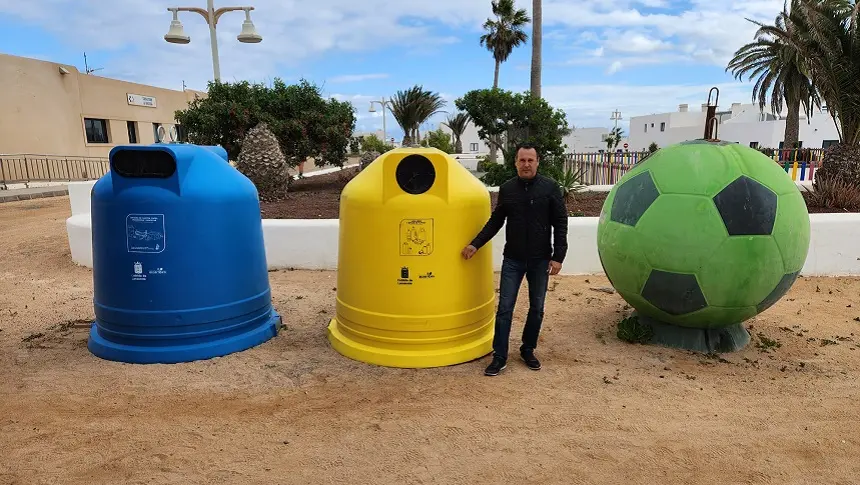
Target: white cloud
{"points": [[703, 31], [351, 78]]}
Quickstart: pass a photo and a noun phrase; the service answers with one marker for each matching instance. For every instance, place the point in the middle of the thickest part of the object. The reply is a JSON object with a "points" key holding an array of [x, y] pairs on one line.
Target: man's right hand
{"points": [[469, 251]]}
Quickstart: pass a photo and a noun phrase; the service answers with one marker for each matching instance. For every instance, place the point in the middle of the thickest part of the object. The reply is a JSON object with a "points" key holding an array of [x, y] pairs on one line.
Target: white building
{"points": [[742, 123], [578, 141]]}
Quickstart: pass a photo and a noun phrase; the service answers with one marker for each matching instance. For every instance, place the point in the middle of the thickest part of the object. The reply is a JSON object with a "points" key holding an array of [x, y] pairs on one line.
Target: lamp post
{"points": [[382, 103], [176, 35]]}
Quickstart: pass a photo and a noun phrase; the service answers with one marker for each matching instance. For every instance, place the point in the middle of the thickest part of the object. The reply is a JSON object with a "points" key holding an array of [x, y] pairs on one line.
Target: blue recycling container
{"points": [[179, 265]]}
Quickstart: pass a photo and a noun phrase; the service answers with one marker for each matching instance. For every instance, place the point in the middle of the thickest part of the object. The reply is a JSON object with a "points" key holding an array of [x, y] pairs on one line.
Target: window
{"points": [[646, 127], [132, 131], [663, 126], [155, 127], [753, 144], [473, 147], [96, 130], [828, 143]]}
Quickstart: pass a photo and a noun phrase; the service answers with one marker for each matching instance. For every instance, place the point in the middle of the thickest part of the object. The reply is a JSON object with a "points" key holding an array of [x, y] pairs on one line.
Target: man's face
{"points": [[527, 162]]}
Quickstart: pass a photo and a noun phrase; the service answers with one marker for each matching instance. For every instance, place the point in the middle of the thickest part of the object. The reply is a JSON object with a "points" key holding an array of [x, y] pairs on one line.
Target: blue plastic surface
{"points": [[179, 264]]}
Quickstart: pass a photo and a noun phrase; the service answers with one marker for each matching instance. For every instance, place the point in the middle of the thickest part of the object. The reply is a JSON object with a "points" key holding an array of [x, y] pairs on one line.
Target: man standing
{"points": [[532, 204]]}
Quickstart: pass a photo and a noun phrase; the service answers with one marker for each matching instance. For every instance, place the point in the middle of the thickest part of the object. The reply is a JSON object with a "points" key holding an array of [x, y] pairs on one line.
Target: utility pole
{"points": [[616, 116]]}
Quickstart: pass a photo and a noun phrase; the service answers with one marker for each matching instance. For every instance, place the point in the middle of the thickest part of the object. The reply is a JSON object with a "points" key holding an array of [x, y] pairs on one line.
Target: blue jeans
{"points": [[513, 271]]}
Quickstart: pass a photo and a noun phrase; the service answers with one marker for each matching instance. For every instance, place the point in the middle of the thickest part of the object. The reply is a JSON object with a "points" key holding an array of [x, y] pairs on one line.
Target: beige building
{"points": [[52, 109]]}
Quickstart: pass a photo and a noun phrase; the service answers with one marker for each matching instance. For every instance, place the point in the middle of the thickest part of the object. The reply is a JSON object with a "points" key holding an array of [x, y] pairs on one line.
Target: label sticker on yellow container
{"points": [[416, 237]]}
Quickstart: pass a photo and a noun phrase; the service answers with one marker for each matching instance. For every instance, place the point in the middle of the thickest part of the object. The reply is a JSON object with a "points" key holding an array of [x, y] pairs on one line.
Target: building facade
{"points": [[742, 123], [48, 108]]}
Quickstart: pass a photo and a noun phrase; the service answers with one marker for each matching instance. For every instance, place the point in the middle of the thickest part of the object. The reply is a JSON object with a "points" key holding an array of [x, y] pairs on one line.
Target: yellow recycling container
{"points": [[405, 295]]}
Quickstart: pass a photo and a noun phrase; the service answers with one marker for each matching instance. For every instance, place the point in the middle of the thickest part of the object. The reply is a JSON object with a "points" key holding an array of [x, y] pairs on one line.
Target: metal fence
{"points": [[608, 168], [27, 168]]}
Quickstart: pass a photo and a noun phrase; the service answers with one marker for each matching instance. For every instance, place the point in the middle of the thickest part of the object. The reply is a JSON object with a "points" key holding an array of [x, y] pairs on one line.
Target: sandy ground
{"points": [[294, 411]]}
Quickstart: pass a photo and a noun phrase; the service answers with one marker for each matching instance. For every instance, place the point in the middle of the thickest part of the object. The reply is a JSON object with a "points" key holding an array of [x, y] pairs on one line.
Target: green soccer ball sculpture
{"points": [[700, 237]]}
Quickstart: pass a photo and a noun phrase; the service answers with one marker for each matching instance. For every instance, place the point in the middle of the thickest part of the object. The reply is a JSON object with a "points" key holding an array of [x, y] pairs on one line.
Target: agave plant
{"points": [[413, 107], [457, 123]]}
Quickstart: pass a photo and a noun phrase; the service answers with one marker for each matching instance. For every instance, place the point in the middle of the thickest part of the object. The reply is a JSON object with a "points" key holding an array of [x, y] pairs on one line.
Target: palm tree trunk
{"points": [[496, 76], [537, 42], [792, 123], [458, 145]]}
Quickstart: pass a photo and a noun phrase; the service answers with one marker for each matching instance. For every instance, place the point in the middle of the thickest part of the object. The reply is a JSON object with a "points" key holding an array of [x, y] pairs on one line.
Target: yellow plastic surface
{"points": [[405, 296]]}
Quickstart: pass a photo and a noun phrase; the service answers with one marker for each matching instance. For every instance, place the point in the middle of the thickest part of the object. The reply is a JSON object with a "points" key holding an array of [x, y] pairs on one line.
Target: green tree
{"points": [[439, 139], [413, 107], [305, 124], [504, 33], [781, 69], [458, 123], [372, 143], [504, 119]]}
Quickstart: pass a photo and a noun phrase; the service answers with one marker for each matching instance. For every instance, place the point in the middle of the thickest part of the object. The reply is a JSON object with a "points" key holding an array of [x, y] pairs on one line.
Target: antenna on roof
{"points": [[87, 67]]}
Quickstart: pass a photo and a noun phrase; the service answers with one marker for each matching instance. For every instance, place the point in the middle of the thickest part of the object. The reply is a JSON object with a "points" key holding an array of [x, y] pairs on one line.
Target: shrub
{"points": [[632, 331], [372, 143], [835, 193]]}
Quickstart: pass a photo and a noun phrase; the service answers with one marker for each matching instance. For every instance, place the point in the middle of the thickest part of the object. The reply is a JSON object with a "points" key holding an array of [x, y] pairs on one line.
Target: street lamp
{"points": [[382, 103], [176, 35]]}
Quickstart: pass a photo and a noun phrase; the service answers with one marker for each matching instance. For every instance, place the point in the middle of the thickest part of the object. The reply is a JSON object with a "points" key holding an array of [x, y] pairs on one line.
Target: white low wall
{"points": [[312, 244]]}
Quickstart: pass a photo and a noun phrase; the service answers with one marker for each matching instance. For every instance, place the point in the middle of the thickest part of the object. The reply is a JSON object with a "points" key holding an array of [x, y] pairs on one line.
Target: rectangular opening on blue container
{"points": [[132, 163]]}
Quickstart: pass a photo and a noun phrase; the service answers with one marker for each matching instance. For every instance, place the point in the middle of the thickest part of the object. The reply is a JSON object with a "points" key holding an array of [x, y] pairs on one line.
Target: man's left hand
{"points": [[554, 267]]}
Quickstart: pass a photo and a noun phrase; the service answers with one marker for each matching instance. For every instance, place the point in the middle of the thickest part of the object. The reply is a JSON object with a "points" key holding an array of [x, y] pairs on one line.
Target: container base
{"points": [[140, 354], [412, 356]]}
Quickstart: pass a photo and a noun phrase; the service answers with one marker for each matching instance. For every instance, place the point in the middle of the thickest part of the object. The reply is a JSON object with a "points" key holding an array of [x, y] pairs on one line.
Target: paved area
{"points": [[12, 195]]}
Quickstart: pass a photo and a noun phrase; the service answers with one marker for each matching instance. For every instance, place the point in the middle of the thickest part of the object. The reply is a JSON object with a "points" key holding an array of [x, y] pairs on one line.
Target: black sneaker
{"points": [[531, 361], [495, 367]]}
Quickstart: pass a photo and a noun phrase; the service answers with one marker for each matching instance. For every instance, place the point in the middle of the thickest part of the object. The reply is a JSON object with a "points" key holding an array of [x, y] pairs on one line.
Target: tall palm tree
{"points": [[537, 42], [781, 68], [831, 45], [413, 107], [504, 33], [457, 123]]}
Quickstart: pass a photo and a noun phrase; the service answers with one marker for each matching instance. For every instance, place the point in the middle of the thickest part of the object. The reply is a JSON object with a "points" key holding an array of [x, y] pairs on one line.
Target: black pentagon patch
{"points": [[674, 293], [778, 292], [633, 198], [747, 207]]}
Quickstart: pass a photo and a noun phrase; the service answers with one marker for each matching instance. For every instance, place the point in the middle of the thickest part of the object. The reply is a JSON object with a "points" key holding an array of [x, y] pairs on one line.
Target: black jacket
{"points": [[531, 208]]}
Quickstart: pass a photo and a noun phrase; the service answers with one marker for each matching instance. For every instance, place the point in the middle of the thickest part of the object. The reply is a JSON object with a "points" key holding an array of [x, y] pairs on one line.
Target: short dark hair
{"points": [[527, 146]]}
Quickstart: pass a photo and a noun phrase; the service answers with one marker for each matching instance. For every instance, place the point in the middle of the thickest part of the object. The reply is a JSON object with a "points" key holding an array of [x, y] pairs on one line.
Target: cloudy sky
{"points": [[638, 56]]}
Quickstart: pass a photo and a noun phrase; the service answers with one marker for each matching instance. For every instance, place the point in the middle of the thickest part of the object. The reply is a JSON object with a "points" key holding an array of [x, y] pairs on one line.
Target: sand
{"points": [[293, 411]]}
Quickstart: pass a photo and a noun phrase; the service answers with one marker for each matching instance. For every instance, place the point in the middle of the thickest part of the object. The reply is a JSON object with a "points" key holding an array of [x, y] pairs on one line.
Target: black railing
{"points": [[26, 168]]}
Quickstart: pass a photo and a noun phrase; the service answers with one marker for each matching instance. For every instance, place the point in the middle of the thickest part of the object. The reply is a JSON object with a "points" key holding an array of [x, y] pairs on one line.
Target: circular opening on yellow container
{"points": [[415, 174]]}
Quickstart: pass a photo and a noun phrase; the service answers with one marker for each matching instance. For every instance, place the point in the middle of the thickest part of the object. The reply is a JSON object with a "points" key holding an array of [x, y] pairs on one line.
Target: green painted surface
{"points": [[741, 272], [791, 230], [763, 169], [622, 258], [715, 317], [700, 169], [682, 232]]}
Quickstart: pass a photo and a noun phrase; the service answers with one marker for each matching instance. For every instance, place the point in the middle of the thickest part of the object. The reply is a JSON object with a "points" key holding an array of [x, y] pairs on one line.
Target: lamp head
{"points": [[176, 34], [249, 33]]}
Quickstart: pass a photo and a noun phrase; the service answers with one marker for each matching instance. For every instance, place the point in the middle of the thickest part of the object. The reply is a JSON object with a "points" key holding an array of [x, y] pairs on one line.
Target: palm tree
{"points": [[457, 123], [504, 33], [827, 33], [781, 69], [537, 41], [413, 107]]}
